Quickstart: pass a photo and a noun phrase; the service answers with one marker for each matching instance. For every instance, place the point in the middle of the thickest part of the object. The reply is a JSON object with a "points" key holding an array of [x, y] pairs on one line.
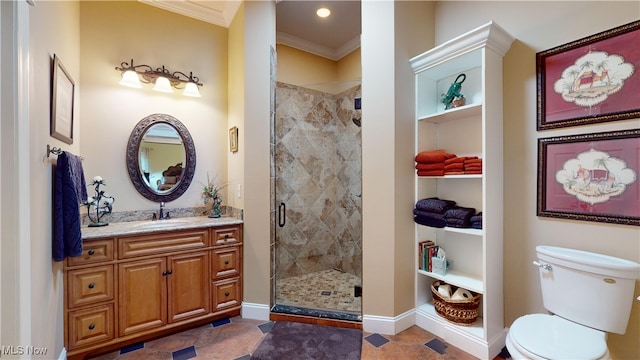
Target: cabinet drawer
{"points": [[90, 326], [226, 294], [226, 262], [91, 285], [93, 251], [226, 235], [157, 243]]}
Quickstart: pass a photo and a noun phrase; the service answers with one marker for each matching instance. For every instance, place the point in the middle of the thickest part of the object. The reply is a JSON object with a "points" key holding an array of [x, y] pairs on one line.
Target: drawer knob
{"points": [[92, 285], [226, 262], [91, 252], [226, 236], [226, 293], [91, 327]]}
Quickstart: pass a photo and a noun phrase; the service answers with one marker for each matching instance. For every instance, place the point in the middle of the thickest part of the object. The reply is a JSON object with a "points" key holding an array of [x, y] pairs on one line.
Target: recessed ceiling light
{"points": [[323, 12]]}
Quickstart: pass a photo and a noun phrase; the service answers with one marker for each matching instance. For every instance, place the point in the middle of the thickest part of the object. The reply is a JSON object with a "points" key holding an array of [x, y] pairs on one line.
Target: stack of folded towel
{"points": [[476, 221], [432, 163], [459, 217], [430, 211], [473, 165], [454, 166]]}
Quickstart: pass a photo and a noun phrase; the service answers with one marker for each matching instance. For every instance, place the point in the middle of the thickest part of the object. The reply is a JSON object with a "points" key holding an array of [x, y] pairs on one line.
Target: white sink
{"points": [[162, 223]]}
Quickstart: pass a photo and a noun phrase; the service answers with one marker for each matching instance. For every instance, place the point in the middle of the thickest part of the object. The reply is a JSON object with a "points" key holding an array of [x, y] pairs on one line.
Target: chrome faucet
{"points": [[161, 215]]}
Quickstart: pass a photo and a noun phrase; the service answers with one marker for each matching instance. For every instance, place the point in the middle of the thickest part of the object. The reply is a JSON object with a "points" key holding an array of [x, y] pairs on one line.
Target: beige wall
{"points": [[54, 29], [539, 26], [259, 17], [326, 75], [106, 114], [387, 152], [113, 32]]}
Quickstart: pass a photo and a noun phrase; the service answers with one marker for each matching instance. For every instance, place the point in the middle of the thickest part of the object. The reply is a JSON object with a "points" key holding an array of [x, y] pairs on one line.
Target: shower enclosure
{"points": [[317, 252]]}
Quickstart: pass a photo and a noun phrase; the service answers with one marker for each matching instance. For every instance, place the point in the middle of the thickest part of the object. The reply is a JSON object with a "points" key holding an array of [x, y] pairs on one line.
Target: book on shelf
{"points": [[425, 250]]}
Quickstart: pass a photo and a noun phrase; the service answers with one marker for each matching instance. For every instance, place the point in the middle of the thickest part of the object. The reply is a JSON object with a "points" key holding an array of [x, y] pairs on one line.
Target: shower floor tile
{"points": [[329, 289]]}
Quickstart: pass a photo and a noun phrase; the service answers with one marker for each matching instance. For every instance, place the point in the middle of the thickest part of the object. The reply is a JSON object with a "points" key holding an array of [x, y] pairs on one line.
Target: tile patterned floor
{"points": [[238, 338], [329, 289]]}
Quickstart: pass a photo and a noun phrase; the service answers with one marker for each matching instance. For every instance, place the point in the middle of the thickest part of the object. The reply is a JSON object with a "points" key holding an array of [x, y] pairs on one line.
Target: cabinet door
{"points": [[89, 285], [188, 282], [226, 294], [225, 262], [142, 295]]}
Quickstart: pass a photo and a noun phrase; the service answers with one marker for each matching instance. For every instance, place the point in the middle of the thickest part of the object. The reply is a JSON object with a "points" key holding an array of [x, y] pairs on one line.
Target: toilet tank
{"points": [[591, 289]]}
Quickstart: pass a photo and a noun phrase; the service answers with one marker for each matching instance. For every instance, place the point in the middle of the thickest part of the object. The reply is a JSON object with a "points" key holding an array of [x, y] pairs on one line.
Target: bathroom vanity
{"points": [[138, 280]]}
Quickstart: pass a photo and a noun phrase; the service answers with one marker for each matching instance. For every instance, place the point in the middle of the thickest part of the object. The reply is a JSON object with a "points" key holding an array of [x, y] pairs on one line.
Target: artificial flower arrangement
{"points": [[101, 203], [211, 192]]}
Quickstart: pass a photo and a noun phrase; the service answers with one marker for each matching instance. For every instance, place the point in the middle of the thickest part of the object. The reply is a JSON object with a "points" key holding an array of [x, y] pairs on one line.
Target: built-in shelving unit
{"points": [[474, 129]]}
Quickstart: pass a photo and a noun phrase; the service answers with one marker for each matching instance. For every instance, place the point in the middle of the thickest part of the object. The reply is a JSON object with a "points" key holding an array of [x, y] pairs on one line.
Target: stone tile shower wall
{"points": [[318, 177]]}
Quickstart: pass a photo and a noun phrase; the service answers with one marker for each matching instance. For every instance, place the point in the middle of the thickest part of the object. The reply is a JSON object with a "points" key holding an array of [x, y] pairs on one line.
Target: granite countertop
{"points": [[148, 226]]}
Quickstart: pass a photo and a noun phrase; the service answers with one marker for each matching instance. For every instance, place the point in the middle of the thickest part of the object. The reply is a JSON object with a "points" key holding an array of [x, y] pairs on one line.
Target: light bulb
{"points": [[130, 79], [191, 89], [163, 85]]}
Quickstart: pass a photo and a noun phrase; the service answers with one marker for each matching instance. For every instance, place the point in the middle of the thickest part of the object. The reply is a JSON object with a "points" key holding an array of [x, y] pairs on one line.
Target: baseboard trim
{"points": [[388, 325], [255, 311]]}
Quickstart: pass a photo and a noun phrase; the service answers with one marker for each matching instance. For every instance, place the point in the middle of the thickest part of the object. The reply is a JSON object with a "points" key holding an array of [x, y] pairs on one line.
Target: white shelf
{"points": [[453, 114], [459, 176], [468, 231], [474, 330], [458, 279], [471, 130]]}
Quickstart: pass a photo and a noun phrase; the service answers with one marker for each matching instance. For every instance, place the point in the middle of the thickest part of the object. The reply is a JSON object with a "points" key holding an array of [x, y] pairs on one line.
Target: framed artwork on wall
{"points": [[62, 91], [233, 139], [591, 80], [591, 177]]}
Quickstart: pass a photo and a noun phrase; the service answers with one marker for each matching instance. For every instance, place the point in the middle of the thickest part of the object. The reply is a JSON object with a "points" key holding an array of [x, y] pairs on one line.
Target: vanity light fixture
{"points": [[164, 80]]}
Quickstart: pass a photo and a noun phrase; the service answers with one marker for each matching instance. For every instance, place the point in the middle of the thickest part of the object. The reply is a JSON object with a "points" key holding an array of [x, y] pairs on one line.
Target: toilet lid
{"points": [[552, 337]]}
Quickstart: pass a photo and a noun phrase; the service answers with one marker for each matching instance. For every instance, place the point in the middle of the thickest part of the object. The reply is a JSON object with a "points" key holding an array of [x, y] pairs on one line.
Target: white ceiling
{"points": [[296, 22]]}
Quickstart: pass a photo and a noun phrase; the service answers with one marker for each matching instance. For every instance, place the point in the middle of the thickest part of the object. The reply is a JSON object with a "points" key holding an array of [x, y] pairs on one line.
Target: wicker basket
{"points": [[460, 312]]}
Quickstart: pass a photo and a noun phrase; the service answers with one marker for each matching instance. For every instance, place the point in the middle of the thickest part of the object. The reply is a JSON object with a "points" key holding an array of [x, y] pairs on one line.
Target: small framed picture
{"points": [[590, 177], [62, 95], [233, 139], [591, 80]]}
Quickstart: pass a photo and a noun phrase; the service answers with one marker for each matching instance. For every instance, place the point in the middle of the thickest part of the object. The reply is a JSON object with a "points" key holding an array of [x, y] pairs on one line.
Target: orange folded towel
{"points": [[455, 160], [431, 172], [432, 156], [473, 167], [432, 166], [470, 172], [454, 173], [473, 161], [453, 167]]}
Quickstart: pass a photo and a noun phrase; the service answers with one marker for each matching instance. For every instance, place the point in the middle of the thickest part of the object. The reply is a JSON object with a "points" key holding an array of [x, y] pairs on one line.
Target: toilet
{"points": [[587, 294]]}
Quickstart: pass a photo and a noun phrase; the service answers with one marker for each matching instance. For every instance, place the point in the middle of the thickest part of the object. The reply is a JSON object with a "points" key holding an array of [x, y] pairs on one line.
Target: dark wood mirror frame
{"points": [[133, 167]]}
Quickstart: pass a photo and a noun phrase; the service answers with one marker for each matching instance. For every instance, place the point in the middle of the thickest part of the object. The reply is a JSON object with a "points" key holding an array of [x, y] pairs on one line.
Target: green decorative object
{"points": [[101, 203], [211, 192], [453, 92]]}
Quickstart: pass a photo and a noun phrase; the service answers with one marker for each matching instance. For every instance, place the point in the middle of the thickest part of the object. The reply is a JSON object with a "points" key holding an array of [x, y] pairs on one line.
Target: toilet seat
{"points": [[552, 337]]}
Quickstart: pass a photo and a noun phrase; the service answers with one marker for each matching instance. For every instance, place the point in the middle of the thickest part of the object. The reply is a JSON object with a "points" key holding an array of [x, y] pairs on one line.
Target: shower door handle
{"points": [[282, 214]]}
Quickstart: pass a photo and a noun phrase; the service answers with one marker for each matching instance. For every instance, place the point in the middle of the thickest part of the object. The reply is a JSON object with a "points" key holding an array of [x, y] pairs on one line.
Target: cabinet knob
{"points": [[92, 285], [226, 236], [226, 262], [91, 252], [226, 293], [169, 272], [91, 327]]}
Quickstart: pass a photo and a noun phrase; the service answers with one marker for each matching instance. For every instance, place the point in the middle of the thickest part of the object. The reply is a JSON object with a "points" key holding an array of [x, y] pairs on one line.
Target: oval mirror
{"points": [[161, 158]]}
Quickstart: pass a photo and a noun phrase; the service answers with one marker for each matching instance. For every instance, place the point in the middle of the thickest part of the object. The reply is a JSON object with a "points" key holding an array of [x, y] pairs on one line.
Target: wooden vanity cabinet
{"points": [[126, 289]]}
